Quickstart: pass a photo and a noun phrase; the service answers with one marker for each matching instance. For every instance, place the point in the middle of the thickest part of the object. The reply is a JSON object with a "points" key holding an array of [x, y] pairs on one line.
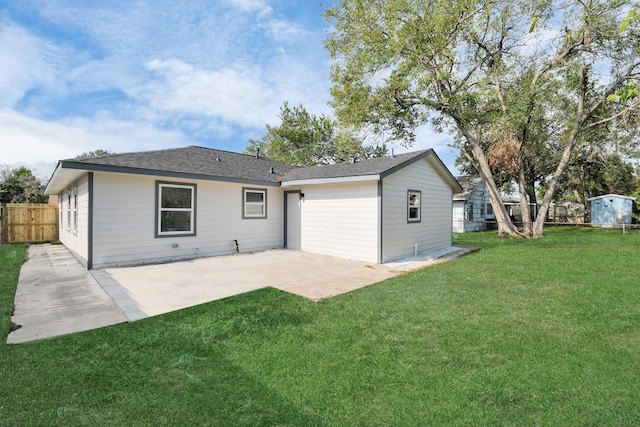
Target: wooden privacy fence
{"points": [[28, 222]]}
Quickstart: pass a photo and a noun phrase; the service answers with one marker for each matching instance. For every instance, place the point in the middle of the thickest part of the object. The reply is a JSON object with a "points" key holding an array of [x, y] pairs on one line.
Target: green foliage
{"points": [[304, 139], [632, 16], [552, 339], [592, 174], [493, 72], [19, 185], [636, 206], [96, 153], [629, 92]]}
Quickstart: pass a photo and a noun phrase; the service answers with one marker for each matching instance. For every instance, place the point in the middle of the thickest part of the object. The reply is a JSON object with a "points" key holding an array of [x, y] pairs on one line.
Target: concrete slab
{"points": [[56, 296], [155, 289], [150, 290]]}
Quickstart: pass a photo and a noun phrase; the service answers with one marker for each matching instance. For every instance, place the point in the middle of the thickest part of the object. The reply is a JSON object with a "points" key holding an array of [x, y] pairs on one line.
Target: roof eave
{"points": [[335, 180], [89, 167]]}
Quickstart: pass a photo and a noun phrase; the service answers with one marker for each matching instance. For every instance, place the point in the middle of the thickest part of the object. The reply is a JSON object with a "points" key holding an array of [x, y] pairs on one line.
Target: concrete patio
{"points": [[56, 295]]}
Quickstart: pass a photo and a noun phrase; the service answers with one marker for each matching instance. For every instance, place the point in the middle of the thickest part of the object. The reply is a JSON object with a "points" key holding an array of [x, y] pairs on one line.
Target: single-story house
{"points": [[567, 212], [611, 210], [165, 205], [471, 207], [514, 209]]}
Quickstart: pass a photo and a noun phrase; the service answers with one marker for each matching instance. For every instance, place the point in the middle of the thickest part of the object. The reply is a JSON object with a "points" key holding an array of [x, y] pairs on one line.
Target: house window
{"points": [[60, 209], [414, 205], [69, 210], [254, 203], [470, 212], [489, 209], [75, 210], [176, 212]]}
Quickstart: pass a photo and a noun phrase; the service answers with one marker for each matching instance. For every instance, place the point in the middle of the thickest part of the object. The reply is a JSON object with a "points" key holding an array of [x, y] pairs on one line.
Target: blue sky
{"points": [[139, 75]]}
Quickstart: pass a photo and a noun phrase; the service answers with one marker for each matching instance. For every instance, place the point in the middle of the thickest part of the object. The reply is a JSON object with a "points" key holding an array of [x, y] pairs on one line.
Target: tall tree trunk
{"points": [[505, 225], [538, 226], [524, 202]]}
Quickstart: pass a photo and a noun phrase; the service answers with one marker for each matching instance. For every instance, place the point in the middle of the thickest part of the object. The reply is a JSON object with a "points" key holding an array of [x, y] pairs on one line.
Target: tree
{"points": [[19, 185], [591, 174], [304, 139], [636, 206], [515, 79], [96, 153]]}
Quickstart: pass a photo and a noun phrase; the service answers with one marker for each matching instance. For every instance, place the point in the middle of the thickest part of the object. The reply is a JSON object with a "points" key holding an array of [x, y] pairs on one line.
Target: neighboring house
{"points": [[471, 207], [611, 210], [566, 212], [514, 210], [159, 206]]}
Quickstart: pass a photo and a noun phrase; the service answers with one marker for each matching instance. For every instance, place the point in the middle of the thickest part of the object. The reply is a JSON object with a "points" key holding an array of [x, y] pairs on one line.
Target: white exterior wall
{"points": [[458, 216], [341, 220], [76, 242], [124, 209], [434, 230], [476, 200]]}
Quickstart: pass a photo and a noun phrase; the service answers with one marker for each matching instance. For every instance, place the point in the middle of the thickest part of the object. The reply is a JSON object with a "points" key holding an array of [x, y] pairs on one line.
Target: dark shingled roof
{"points": [[217, 165], [190, 162], [375, 166], [468, 183]]}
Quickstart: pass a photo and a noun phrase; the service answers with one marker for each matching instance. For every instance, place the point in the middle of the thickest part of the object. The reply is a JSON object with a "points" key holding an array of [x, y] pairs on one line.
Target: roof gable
{"points": [[378, 167], [468, 184]]}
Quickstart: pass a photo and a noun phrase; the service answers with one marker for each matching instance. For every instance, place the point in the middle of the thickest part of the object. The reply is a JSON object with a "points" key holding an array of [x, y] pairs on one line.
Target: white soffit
{"points": [[359, 178]]}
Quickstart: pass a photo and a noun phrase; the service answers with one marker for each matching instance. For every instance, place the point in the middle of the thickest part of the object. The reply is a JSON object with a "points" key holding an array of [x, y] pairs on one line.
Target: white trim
{"points": [[191, 209], [74, 209], [611, 196], [245, 203], [358, 178], [418, 218]]}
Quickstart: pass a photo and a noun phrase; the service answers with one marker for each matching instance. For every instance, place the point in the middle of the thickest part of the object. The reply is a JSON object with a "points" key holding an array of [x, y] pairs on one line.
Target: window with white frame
{"points": [[74, 209], [254, 203], [60, 209], [69, 210], [176, 209], [414, 200]]}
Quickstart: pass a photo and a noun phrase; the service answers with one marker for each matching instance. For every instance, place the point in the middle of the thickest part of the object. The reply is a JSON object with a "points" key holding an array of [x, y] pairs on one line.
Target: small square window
{"points": [[254, 203], [414, 205]]}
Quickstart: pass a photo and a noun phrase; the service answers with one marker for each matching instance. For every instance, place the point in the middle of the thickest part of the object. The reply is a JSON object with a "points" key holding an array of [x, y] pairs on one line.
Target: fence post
{"points": [[1, 225]]}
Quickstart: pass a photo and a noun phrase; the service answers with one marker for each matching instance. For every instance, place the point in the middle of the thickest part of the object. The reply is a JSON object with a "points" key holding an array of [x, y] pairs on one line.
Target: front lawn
{"points": [[523, 332]]}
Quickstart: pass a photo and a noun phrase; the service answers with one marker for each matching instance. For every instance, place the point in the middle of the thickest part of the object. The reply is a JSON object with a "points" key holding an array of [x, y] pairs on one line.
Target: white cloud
{"points": [[237, 95], [28, 62], [284, 31], [34, 142], [115, 75], [251, 5]]}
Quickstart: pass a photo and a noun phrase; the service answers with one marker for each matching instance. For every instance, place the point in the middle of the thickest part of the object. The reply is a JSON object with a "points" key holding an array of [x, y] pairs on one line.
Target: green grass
{"points": [[523, 332]]}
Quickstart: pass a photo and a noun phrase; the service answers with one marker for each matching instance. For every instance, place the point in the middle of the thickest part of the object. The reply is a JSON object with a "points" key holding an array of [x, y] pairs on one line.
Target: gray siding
{"points": [[76, 242], [125, 213], [434, 230], [463, 221], [341, 220]]}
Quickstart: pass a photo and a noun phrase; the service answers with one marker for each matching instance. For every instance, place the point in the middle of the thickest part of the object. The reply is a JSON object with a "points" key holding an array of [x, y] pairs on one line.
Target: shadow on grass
{"points": [[176, 369]]}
